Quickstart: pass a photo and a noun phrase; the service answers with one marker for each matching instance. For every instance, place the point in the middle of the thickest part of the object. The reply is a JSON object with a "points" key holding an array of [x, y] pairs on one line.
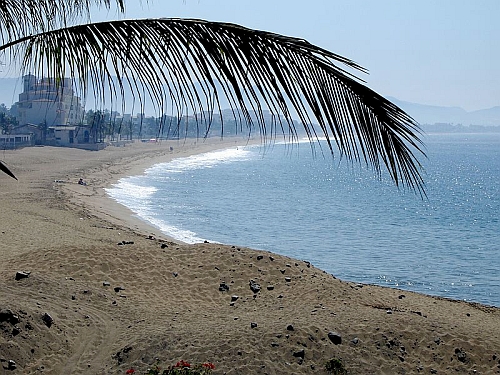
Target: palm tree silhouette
{"points": [[186, 66]]}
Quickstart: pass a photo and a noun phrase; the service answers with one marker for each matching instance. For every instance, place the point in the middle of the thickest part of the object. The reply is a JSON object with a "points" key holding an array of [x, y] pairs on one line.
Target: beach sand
{"points": [[106, 292]]}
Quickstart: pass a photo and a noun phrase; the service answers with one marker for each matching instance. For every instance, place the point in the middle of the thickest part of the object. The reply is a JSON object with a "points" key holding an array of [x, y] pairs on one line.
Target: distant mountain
{"points": [[429, 114]]}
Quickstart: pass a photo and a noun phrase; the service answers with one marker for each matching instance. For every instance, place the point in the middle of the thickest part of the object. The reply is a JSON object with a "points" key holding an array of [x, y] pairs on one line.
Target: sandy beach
{"points": [[87, 288]]}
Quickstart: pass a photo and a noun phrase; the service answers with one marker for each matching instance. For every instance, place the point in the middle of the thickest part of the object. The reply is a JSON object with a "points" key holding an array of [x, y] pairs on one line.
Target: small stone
{"points": [[16, 331], [47, 319], [8, 316], [106, 283], [175, 274], [271, 259], [289, 327], [275, 344], [11, 365], [234, 298], [223, 287], [300, 353], [389, 312], [255, 287], [253, 325], [401, 296], [260, 257], [73, 297], [164, 246], [335, 338], [288, 279], [22, 275], [282, 271], [118, 289], [355, 341], [270, 287]]}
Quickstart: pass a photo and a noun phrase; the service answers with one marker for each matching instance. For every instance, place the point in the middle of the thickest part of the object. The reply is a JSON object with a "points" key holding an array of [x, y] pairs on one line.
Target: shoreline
{"points": [[101, 204], [118, 298]]}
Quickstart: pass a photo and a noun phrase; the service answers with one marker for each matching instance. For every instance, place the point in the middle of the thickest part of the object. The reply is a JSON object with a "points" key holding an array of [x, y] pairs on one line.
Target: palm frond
{"points": [[6, 170], [20, 18], [163, 60]]}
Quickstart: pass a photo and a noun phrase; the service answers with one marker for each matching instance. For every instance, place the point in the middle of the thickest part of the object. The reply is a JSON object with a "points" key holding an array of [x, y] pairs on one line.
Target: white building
{"points": [[45, 101]]}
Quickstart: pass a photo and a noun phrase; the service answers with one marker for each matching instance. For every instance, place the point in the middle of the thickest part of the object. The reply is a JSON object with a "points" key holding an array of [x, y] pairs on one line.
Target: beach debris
{"points": [[234, 298], [255, 287], [22, 275], [118, 288], [253, 325], [335, 338], [290, 327], [299, 353], [47, 319], [223, 287]]}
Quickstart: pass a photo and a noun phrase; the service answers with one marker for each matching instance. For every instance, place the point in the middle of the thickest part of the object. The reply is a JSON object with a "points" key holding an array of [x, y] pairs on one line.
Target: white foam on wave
{"points": [[201, 161]]}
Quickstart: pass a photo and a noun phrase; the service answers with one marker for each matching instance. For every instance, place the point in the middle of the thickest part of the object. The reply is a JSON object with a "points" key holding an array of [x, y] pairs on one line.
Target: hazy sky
{"points": [[438, 52]]}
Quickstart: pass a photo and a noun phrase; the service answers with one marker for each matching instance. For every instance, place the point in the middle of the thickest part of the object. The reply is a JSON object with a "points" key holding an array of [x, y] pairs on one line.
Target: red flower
{"points": [[130, 371], [182, 363], [209, 365]]}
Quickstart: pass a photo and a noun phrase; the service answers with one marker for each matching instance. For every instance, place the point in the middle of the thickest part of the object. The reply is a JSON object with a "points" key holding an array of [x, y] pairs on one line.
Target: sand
{"points": [[79, 247]]}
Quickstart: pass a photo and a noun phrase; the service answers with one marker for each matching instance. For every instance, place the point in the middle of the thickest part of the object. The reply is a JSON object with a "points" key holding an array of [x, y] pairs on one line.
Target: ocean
{"points": [[340, 217]]}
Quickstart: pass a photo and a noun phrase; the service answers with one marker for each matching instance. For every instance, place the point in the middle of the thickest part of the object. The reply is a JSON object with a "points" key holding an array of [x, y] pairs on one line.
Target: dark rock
{"points": [[275, 344], [73, 297], [271, 258], [11, 365], [270, 287], [28, 326], [255, 287], [335, 338], [118, 289], [389, 312], [260, 257], [282, 271], [8, 316], [433, 371], [175, 274], [355, 341], [253, 325], [461, 355], [106, 283], [234, 298], [289, 327], [401, 296], [48, 320], [223, 287], [22, 275], [206, 241], [300, 353], [16, 331], [288, 279], [164, 246]]}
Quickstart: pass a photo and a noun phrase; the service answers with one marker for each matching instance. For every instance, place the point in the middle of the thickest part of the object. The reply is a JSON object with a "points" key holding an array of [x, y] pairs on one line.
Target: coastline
{"points": [[119, 298]]}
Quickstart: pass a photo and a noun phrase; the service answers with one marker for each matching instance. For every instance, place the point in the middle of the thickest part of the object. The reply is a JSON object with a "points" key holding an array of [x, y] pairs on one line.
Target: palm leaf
{"points": [[163, 60], [6, 170], [19, 18]]}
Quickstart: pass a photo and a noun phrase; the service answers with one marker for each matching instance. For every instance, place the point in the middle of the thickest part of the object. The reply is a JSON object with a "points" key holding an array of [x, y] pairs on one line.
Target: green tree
{"points": [[187, 66]]}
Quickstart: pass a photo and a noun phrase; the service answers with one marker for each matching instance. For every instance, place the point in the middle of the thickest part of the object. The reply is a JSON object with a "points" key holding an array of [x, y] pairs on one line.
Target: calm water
{"points": [[342, 219]]}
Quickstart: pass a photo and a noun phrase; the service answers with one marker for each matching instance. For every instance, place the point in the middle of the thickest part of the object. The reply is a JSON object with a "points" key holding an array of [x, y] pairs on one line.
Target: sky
{"points": [[435, 52]]}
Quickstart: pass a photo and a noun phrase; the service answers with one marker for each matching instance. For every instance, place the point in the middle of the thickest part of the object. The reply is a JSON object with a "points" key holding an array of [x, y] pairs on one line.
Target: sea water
{"points": [[341, 217]]}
